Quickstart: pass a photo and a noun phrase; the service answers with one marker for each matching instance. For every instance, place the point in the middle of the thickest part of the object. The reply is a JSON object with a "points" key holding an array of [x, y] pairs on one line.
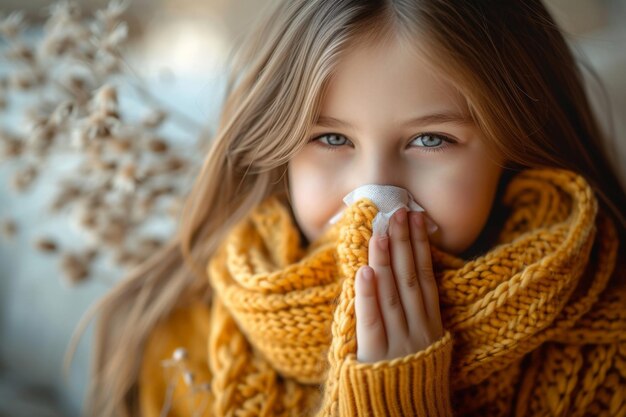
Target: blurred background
{"points": [[51, 268]]}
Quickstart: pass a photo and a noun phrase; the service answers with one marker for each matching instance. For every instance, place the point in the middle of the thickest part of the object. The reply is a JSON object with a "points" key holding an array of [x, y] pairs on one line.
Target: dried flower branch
{"points": [[128, 173], [174, 368]]}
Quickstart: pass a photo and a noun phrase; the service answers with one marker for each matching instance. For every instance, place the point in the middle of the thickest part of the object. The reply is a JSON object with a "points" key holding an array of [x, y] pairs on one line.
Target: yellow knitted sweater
{"points": [[535, 326]]}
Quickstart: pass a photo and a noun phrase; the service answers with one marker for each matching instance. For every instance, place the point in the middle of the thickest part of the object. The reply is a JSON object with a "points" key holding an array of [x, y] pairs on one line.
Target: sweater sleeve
{"points": [[414, 385]]}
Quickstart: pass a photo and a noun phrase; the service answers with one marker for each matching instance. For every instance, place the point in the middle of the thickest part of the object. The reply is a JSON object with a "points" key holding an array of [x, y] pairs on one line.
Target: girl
{"points": [[505, 297]]}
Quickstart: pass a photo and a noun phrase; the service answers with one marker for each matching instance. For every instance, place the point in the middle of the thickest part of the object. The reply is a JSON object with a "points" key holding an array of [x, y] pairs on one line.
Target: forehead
{"points": [[391, 73]]}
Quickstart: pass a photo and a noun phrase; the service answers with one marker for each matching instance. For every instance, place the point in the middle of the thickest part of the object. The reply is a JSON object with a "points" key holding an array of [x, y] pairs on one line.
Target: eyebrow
{"points": [[427, 119]]}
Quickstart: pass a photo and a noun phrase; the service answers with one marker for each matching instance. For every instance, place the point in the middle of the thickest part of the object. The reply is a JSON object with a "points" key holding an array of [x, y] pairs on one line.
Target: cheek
{"points": [[312, 195], [460, 204], [465, 216]]}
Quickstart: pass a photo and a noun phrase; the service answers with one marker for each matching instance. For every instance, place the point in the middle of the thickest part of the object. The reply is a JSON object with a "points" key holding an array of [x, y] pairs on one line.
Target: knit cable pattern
{"points": [[283, 321]]}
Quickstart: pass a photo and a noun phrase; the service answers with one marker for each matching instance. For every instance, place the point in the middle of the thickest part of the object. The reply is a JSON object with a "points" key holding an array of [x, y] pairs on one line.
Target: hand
{"points": [[397, 310]]}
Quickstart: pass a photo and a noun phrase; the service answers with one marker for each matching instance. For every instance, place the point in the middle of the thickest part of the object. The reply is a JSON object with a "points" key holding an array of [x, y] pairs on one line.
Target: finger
{"points": [[428, 285], [388, 297], [370, 332], [405, 271]]}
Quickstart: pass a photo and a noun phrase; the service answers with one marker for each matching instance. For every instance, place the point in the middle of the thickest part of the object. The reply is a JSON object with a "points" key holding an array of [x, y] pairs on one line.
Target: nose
{"points": [[380, 169]]}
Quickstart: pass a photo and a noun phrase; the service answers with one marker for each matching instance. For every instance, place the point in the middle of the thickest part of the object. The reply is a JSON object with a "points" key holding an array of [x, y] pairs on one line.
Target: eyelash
{"points": [[447, 142]]}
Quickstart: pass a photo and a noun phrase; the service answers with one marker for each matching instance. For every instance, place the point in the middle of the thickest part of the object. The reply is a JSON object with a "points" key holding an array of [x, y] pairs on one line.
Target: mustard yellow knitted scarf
{"points": [[283, 320]]}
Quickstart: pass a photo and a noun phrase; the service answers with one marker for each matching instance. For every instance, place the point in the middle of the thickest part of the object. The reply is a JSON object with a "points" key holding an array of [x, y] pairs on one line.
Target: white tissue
{"points": [[388, 199]]}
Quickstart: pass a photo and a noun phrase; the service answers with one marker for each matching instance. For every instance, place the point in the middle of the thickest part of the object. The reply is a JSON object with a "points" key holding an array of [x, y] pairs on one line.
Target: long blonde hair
{"points": [[509, 59]]}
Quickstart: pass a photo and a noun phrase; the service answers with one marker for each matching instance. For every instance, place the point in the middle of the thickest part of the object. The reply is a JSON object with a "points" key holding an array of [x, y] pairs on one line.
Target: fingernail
{"points": [[400, 216], [367, 274], [431, 227]]}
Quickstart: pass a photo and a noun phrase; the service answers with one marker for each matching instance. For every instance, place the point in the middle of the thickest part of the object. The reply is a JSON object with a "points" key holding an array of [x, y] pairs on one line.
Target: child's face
{"points": [[375, 90]]}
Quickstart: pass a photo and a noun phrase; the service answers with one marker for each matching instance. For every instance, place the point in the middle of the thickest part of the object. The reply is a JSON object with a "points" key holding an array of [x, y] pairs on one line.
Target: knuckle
{"points": [[412, 280], [430, 283], [426, 273], [393, 299], [370, 321], [384, 261], [402, 235], [420, 237], [403, 346], [372, 353]]}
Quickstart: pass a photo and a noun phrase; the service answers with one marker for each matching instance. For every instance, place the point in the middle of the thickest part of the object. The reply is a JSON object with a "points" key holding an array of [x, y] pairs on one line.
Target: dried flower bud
{"points": [[113, 231], [123, 257], [21, 180], [23, 81], [145, 205], [115, 37], [98, 164], [75, 268], [121, 145], [94, 201], [9, 228], [91, 253], [100, 125], [64, 13], [57, 205], [79, 139], [42, 136], [11, 25], [71, 191], [180, 354], [13, 146], [164, 190], [149, 243], [152, 170], [57, 45], [107, 63], [175, 163], [105, 99], [158, 146], [21, 52], [88, 220], [113, 11], [78, 85], [154, 119], [62, 113], [127, 179], [46, 245], [189, 378]]}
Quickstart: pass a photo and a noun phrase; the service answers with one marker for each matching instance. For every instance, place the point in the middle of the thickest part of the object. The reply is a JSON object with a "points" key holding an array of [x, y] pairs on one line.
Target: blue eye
{"points": [[430, 142], [331, 145]]}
